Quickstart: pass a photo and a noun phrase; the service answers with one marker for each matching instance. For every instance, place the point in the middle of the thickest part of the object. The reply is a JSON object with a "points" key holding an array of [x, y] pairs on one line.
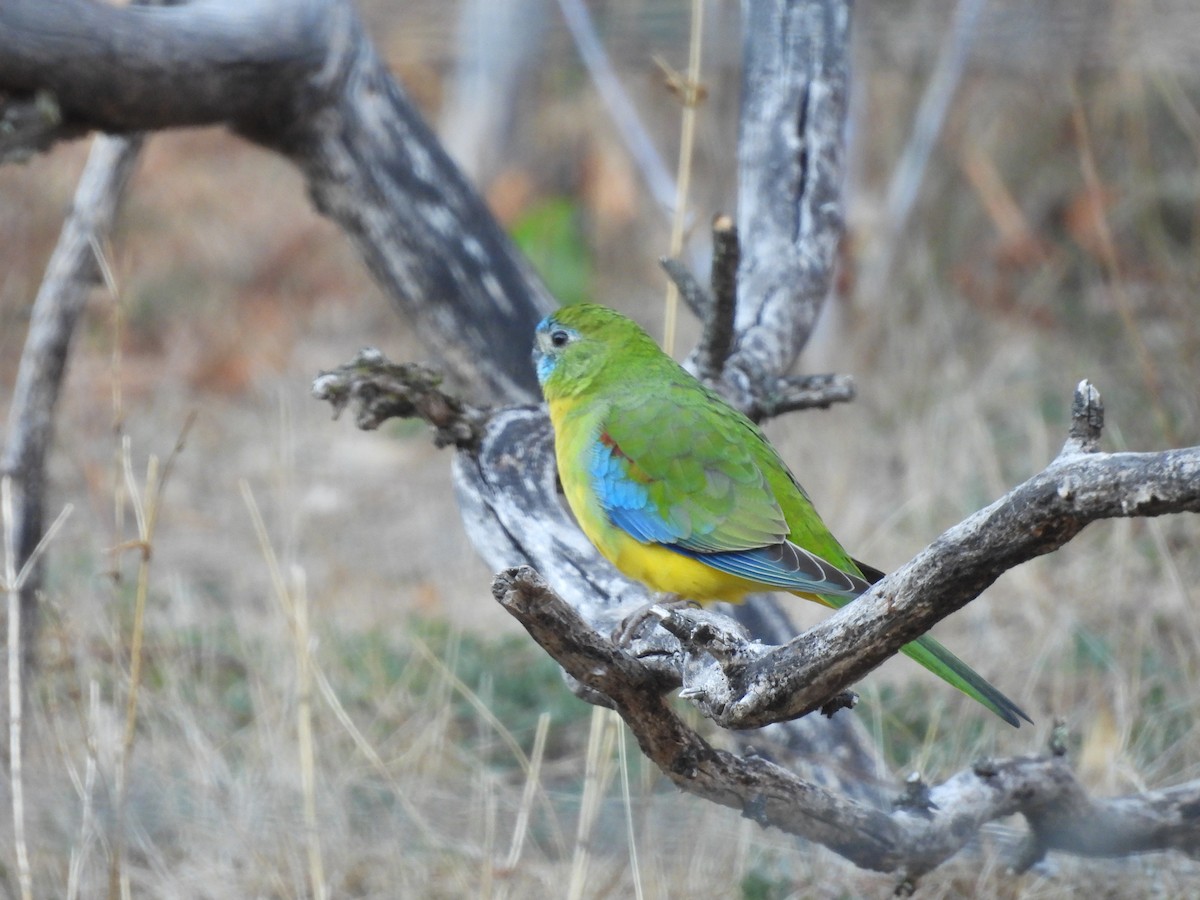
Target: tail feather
{"points": [[941, 662]]}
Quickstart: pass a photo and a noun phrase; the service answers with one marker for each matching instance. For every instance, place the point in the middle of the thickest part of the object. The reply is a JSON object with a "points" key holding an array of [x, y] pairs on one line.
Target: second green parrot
{"points": [[684, 493]]}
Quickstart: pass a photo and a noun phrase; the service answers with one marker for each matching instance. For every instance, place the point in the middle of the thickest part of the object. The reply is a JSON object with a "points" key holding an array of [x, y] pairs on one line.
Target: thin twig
{"points": [[801, 392], [381, 389], [66, 284], [16, 779], [716, 341], [14, 582], [690, 289]]}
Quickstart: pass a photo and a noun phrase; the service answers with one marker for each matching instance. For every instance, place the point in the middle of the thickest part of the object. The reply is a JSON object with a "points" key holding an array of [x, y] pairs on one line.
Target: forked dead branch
{"points": [[740, 683]]}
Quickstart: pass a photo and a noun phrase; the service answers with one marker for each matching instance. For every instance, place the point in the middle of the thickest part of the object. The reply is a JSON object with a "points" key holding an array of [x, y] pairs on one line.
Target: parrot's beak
{"points": [[541, 344]]}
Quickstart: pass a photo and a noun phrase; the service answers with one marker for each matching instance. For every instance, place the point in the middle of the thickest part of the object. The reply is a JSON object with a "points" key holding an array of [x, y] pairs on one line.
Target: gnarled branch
{"points": [[910, 838], [741, 683]]}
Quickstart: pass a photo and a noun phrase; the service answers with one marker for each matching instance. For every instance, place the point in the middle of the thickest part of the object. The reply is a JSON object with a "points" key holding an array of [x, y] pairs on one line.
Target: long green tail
{"points": [[944, 664]]}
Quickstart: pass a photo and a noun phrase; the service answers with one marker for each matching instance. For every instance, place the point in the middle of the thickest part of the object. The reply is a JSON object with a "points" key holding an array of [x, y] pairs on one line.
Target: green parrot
{"points": [[682, 492]]}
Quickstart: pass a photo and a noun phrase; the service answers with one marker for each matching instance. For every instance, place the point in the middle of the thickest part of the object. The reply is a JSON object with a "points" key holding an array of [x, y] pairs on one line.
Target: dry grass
{"points": [[443, 757]]}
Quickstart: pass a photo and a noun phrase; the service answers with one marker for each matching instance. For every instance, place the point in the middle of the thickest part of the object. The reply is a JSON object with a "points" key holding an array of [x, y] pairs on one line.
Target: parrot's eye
{"points": [[559, 337]]}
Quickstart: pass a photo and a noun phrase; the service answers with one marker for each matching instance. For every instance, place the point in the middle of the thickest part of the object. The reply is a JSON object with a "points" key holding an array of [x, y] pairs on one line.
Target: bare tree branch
{"points": [[742, 683], [796, 392], [690, 290], [716, 342], [790, 166], [507, 491], [912, 838], [124, 69], [72, 272], [382, 390], [301, 77]]}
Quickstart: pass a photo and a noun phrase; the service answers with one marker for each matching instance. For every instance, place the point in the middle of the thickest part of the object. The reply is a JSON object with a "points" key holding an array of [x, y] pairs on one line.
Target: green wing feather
{"points": [[702, 481]]}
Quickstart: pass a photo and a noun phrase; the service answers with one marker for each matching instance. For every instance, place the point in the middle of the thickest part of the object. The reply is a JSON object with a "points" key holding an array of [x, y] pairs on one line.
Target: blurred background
{"points": [[1023, 211]]}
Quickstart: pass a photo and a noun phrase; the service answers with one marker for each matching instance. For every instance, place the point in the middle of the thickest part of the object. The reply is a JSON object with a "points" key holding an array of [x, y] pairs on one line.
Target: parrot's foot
{"points": [[649, 614]]}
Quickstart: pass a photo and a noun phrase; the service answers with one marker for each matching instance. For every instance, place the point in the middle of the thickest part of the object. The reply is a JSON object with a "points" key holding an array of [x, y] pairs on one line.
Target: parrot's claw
{"points": [[651, 613]]}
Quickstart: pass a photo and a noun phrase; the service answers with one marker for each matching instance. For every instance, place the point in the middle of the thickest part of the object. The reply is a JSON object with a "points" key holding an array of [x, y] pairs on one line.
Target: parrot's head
{"points": [[584, 346]]}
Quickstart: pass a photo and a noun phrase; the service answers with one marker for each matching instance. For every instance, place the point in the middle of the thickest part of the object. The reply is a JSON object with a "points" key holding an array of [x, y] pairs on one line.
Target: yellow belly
{"points": [[662, 569]]}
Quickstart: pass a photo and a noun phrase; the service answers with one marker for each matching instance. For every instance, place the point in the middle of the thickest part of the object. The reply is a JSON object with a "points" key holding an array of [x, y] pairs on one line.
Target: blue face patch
{"points": [[549, 339], [544, 363]]}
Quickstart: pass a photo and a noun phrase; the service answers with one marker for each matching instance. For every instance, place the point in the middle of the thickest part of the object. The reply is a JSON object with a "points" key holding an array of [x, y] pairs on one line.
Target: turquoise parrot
{"points": [[682, 492]]}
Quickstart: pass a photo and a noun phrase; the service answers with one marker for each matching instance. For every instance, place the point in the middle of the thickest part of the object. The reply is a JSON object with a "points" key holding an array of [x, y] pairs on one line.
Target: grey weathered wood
{"points": [[790, 170], [374, 166], [506, 484], [740, 683]]}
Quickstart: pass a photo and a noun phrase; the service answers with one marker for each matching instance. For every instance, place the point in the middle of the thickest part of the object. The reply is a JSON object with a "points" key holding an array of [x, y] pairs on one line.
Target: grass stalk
{"points": [[304, 731], [487, 866], [598, 770], [146, 503], [687, 141], [16, 778], [321, 680], [452, 681], [532, 780], [626, 798], [294, 607], [87, 792]]}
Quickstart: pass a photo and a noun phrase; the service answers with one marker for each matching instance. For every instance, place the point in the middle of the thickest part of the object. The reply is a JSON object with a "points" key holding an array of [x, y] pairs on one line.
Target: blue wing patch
{"points": [[627, 500]]}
